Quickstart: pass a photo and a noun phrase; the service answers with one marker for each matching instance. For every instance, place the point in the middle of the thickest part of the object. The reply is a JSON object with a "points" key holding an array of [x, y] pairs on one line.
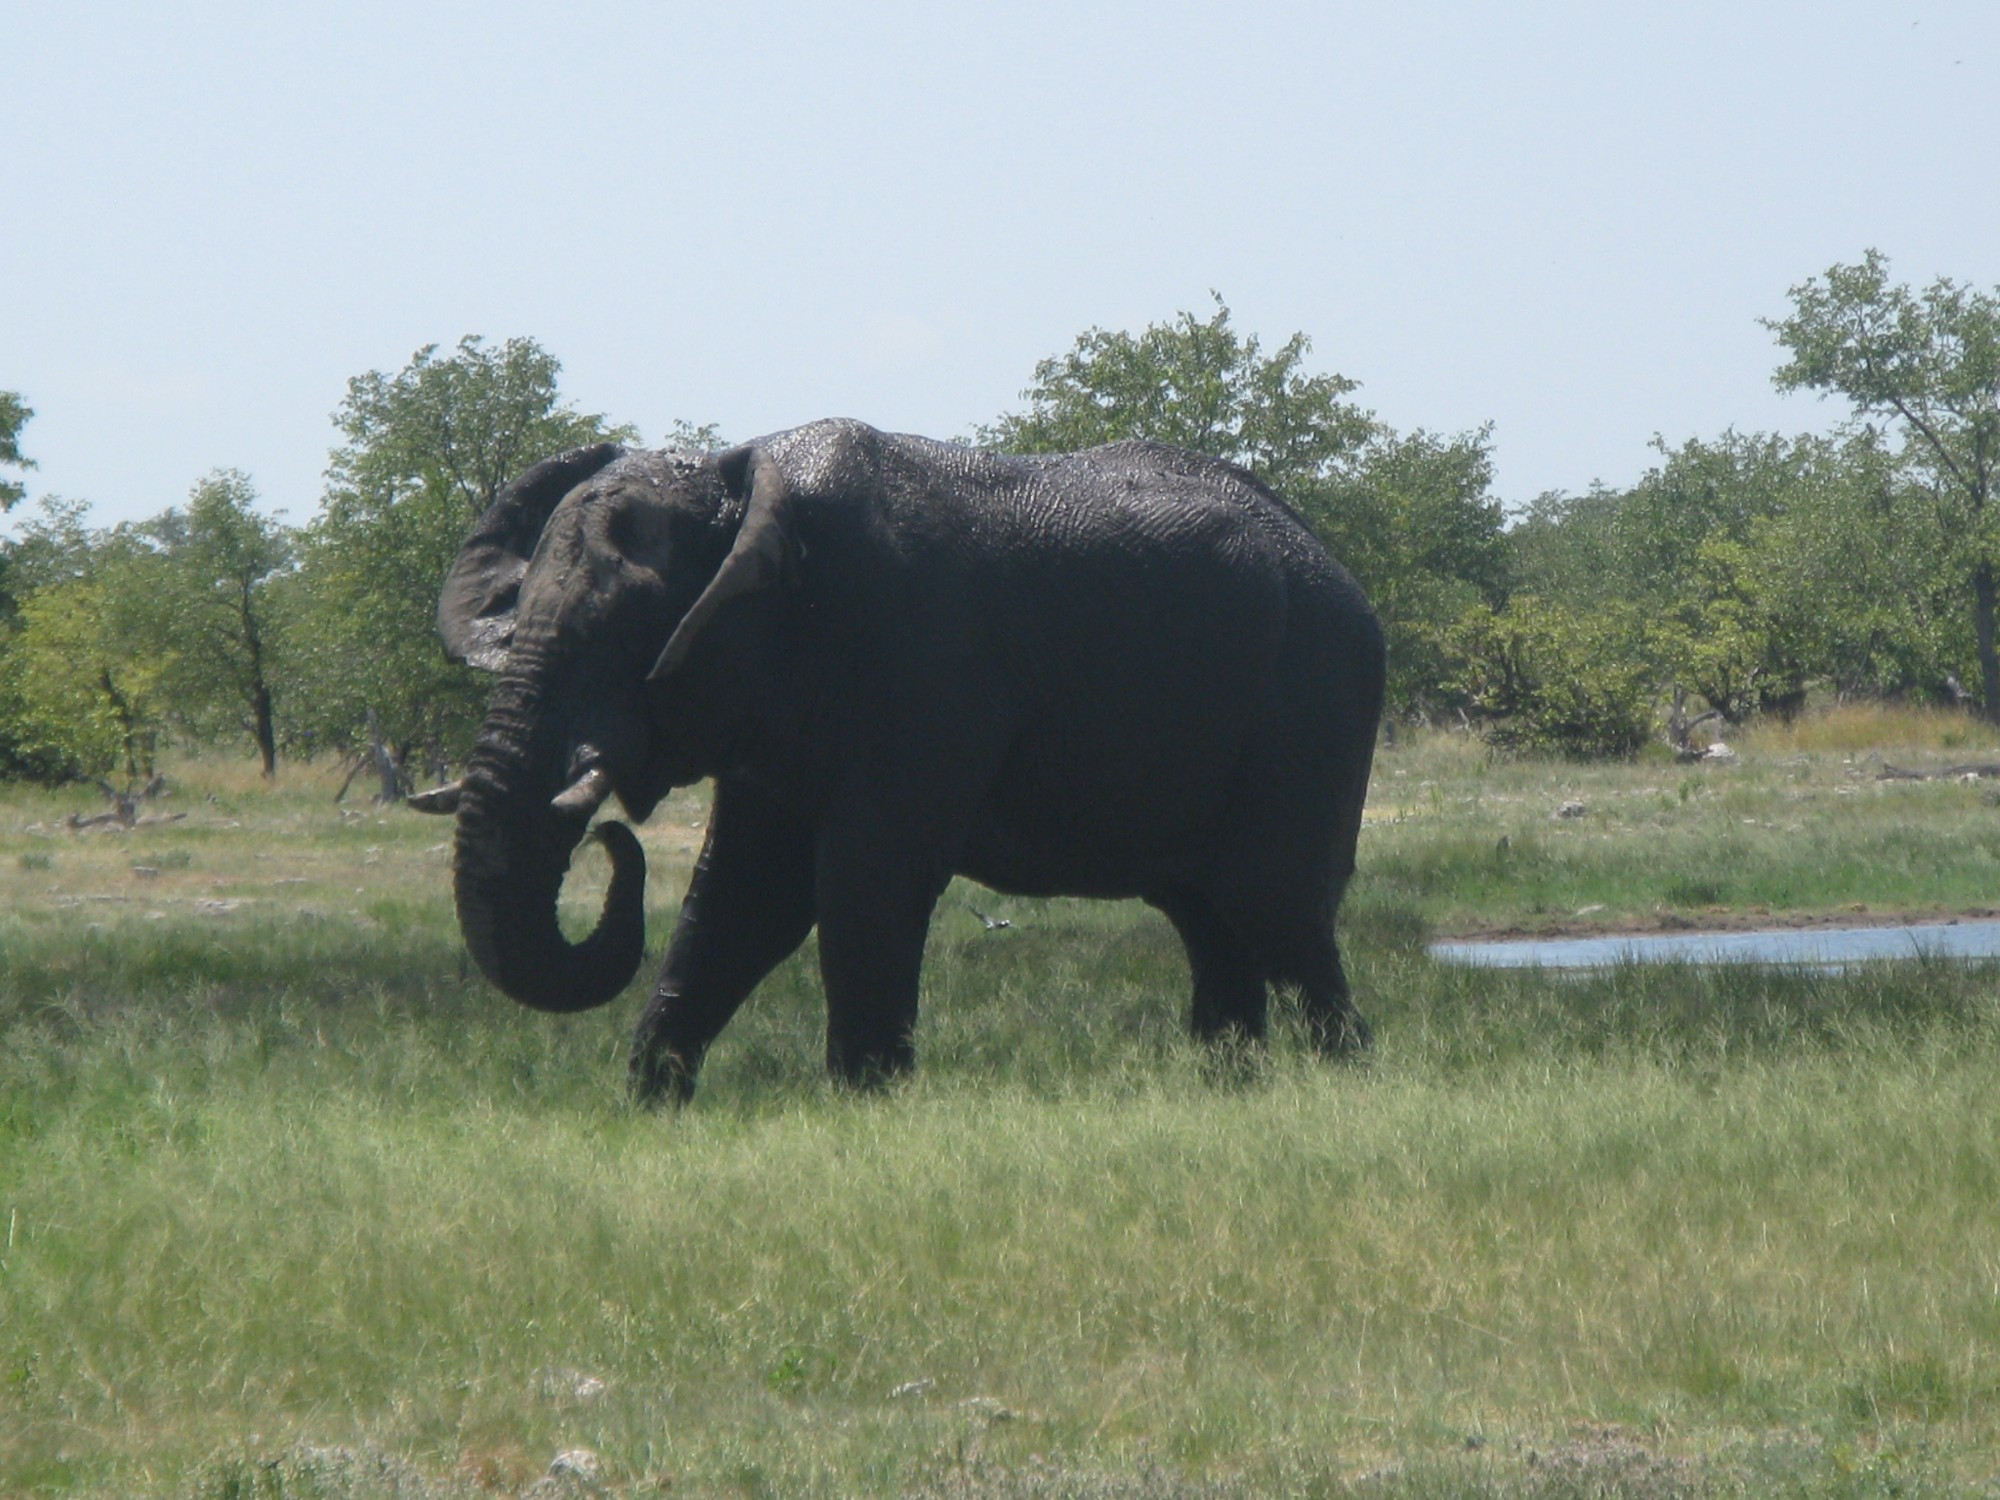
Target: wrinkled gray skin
{"points": [[1126, 672]]}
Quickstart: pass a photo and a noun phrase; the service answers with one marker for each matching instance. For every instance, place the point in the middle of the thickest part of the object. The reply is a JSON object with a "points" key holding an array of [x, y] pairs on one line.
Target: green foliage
{"points": [[425, 453], [80, 702], [14, 415], [703, 437], [1843, 571], [1747, 568], [1721, 641], [82, 680], [1546, 677], [1930, 359], [55, 547], [1196, 384], [1412, 516], [124, 633], [1762, 564], [1930, 362], [214, 620], [212, 612]]}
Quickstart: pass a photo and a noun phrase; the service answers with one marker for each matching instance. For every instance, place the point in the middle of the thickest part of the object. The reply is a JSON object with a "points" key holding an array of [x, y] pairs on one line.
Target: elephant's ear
{"points": [[758, 559], [476, 611]]}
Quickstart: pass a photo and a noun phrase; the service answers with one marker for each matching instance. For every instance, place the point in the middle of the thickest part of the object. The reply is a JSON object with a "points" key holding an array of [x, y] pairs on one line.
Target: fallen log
{"points": [[78, 823], [1946, 773]]}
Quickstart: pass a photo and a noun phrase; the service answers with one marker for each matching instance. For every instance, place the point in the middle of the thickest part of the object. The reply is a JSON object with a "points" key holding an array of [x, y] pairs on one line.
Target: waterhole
{"points": [[1809, 947]]}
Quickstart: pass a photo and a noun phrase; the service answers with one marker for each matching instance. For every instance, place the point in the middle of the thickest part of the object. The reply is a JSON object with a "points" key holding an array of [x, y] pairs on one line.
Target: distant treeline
{"points": [[1740, 573]]}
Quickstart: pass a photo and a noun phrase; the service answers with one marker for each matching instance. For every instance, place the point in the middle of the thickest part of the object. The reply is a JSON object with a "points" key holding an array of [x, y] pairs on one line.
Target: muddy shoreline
{"points": [[1666, 922]]}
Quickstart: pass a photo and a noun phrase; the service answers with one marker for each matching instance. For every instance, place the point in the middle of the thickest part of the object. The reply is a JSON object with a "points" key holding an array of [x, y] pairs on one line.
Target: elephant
{"points": [[1131, 671]]}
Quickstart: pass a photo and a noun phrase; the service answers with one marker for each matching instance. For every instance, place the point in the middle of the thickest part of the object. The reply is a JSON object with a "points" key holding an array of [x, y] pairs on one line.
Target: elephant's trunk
{"points": [[514, 848]]}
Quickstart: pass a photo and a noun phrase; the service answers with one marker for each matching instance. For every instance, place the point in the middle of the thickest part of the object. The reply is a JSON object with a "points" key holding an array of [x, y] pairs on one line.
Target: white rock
{"points": [[560, 1383], [576, 1463], [989, 1408]]}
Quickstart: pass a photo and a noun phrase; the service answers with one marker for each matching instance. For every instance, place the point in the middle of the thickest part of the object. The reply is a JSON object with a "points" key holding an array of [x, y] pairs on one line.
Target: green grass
{"points": [[294, 1206], [1470, 842]]}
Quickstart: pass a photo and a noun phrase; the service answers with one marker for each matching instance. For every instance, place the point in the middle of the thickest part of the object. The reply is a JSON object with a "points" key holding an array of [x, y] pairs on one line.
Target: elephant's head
{"points": [[599, 589]]}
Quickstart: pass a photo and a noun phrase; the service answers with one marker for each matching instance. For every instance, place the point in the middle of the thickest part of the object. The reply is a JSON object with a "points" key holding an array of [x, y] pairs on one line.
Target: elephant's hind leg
{"points": [[1229, 988], [1335, 1027], [1279, 885], [1289, 936]]}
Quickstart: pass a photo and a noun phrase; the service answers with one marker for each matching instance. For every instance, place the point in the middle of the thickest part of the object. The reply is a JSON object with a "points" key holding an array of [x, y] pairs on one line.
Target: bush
{"points": [[1540, 676]]}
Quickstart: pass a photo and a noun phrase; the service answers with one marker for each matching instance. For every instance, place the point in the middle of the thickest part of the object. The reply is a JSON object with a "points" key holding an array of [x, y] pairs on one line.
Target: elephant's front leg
{"points": [[749, 904], [874, 905]]}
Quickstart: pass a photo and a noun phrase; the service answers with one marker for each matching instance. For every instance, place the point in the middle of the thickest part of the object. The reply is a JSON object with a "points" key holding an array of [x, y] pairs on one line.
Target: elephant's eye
{"points": [[642, 533]]}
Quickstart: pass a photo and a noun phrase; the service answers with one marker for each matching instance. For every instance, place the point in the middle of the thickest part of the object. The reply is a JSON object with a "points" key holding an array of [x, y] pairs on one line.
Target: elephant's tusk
{"points": [[585, 794], [439, 799]]}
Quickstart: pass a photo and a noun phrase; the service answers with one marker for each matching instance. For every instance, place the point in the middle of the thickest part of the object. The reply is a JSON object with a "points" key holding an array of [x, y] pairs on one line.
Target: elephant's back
{"points": [[1164, 625], [1106, 648]]}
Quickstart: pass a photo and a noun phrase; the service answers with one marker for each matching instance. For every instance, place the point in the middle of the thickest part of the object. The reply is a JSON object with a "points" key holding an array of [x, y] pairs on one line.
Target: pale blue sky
{"points": [[1562, 218]]}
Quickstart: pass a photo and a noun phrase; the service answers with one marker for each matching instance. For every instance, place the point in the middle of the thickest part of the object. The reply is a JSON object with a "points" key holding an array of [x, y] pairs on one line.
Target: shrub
{"points": [[1541, 676]]}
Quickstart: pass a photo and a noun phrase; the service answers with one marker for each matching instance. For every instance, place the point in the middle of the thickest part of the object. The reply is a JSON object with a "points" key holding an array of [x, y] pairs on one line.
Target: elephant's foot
{"points": [[1233, 1060], [869, 1070], [1343, 1036], [660, 1078]]}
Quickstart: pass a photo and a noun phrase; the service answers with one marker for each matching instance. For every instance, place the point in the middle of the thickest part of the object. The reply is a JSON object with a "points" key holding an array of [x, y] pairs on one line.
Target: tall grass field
{"points": [[295, 1205]]}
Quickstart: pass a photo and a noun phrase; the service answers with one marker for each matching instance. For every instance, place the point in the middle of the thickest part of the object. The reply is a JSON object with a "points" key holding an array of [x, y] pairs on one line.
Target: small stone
{"points": [[911, 1388], [146, 872], [986, 1407], [560, 1383], [577, 1463]]}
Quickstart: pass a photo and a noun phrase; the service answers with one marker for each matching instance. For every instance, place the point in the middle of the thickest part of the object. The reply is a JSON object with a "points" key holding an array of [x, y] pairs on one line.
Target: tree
{"points": [[14, 415], [1544, 676], [54, 548], [80, 682], [1196, 385], [1930, 361], [1566, 547], [1409, 515], [213, 609], [1412, 517], [424, 453], [1762, 564]]}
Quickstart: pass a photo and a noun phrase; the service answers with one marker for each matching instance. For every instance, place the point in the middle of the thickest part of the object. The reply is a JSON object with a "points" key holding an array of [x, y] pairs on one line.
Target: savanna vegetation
{"points": [[295, 1205], [1744, 573]]}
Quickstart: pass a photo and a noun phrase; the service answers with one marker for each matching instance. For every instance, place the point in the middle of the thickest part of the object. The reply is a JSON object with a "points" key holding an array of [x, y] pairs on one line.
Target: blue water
{"points": [[1817, 947]]}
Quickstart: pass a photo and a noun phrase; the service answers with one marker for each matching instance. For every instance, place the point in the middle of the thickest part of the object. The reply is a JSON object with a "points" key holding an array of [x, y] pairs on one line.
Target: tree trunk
{"points": [[266, 732], [261, 724], [387, 770], [1983, 613]]}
